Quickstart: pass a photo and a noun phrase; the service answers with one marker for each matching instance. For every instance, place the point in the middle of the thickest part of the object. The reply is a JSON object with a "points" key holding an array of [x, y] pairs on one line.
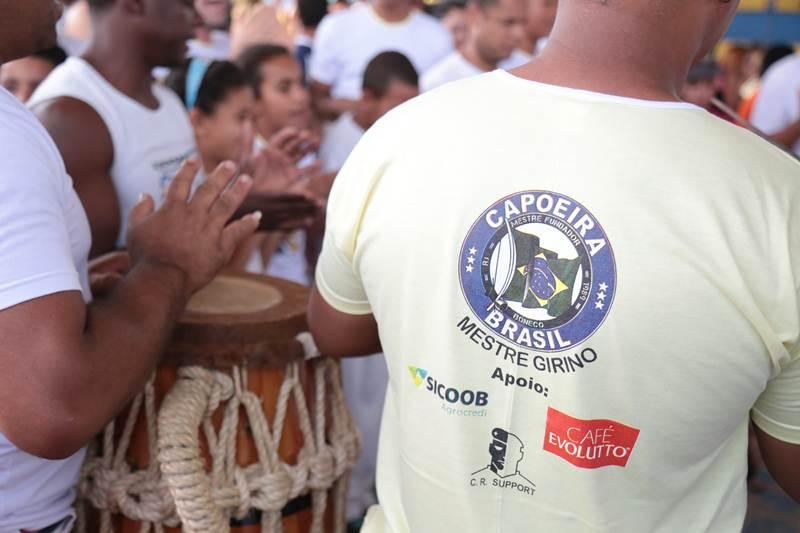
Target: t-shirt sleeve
{"points": [[35, 250], [338, 278], [777, 410], [325, 65]]}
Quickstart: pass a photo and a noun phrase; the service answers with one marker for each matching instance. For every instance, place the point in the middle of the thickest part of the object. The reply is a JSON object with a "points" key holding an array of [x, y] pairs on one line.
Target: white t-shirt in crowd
{"points": [[452, 68], [338, 140], [347, 41], [218, 49], [44, 248], [580, 314], [778, 102], [149, 144]]}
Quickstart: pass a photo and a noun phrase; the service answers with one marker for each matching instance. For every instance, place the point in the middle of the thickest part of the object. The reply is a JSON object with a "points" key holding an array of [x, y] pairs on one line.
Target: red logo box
{"points": [[589, 443]]}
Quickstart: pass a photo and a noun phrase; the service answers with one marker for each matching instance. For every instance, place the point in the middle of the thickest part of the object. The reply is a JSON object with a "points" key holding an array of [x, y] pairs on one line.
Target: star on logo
{"points": [[603, 287], [470, 260], [598, 305], [470, 268], [601, 296], [473, 251]]}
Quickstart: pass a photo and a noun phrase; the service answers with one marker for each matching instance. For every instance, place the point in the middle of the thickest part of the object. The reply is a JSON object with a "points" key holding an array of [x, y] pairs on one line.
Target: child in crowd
{"points": [[284, 120], [22, 76]]}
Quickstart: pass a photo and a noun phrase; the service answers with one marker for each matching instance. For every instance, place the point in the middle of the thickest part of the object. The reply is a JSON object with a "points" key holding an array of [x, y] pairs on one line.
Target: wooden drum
{"points": [[237, 430]]}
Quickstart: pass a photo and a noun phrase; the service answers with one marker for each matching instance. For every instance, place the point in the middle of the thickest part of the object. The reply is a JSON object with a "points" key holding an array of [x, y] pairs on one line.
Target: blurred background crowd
{"points": [[287, 90]]}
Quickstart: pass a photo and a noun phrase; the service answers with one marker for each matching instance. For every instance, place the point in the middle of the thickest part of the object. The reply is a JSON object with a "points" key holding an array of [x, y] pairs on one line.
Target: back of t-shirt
{"points": [[580, 297]]}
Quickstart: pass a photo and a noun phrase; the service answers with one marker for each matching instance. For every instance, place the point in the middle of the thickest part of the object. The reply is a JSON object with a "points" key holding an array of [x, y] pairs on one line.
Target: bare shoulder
{"points": [[78, 130]]}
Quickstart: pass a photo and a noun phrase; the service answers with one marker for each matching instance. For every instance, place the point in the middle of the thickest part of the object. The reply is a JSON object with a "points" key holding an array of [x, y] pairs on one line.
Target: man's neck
{"points": [[123, 66], [471, 54], [606, 57], [392, 11]]}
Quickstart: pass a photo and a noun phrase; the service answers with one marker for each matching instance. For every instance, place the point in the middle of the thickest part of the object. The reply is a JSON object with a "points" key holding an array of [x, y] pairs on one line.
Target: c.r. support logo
{"points": [[506, 452], [538, 269], [455, 401]]}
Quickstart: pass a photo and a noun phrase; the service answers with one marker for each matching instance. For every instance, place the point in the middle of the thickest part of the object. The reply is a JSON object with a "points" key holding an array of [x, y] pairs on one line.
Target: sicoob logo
{"points": [[451, 396], [589, 443], [538, 269], [506, 452]]}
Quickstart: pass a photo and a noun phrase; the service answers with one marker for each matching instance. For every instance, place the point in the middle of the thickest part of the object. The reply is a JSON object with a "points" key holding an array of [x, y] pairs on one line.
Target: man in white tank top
{"points": [[119, 133]]}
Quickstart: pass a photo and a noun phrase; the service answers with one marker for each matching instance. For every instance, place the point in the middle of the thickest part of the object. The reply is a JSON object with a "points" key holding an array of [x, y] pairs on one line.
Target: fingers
{"points": [[227, 204], [112, 263], [143, 209], [208, 193], [284, 137], [103, 284], [295, 143], [234, 234], [181, 186]]}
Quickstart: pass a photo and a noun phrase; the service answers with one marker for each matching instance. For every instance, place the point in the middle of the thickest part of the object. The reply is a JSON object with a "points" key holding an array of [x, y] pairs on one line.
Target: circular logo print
{"points": [[538, 269]]}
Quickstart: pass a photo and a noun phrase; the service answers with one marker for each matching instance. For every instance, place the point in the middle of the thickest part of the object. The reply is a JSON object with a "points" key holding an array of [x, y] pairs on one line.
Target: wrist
{"points": [[164, 278]]}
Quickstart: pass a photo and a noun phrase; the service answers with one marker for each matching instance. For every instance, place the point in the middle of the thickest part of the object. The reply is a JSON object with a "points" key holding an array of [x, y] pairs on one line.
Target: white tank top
{"points": [[149, 145]]}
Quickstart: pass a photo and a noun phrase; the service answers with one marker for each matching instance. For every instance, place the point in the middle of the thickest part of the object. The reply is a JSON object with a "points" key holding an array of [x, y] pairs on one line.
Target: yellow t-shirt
{"points": [[581, 299]]}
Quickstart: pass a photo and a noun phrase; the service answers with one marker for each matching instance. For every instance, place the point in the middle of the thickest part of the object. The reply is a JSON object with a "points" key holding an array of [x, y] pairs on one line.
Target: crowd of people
{"points": [[137, 88]]}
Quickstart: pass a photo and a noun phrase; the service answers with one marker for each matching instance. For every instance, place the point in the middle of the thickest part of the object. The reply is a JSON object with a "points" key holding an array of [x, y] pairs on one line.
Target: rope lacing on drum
{"points": [[178, 489]]}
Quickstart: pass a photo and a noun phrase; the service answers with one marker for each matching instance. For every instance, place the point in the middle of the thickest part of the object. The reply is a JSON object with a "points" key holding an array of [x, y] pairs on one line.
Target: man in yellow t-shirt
{"points": [[585, 289]]}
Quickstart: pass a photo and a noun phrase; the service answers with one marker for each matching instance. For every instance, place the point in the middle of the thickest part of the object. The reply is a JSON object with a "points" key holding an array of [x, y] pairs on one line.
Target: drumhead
{"points": [[234, 295]]}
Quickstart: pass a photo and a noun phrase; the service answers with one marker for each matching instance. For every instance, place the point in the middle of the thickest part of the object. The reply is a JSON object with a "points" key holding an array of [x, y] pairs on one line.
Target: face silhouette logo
{"points": [[506, 452]]}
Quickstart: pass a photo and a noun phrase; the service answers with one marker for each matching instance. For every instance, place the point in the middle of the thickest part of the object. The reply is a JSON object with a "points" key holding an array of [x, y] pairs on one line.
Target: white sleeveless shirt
{"points": [[149, 144]]}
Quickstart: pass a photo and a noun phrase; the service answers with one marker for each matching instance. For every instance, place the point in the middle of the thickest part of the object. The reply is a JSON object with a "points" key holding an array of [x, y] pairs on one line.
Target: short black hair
{"points": [[385, 68], [219, 80], [441, 9], [252, 58], [312, 12], [775, 54], [55, 55]]}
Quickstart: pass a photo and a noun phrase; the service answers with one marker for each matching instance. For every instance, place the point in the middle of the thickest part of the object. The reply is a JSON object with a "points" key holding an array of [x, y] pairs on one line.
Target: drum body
{"points": [[242, 326]]}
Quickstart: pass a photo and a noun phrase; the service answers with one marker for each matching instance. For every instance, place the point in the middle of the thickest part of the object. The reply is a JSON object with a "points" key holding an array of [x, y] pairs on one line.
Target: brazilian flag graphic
{"points": [[540, 278]]}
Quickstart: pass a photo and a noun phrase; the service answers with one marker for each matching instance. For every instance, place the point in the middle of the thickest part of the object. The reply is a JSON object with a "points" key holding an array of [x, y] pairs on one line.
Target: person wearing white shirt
{"points": [[346, 41], [777, 109], [389, 80], [90, 352], [211, 42], [496, 26]]}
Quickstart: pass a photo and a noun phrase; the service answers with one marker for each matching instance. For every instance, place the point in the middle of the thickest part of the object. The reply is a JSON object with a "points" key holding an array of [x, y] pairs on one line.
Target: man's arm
{"points": [[783, 462], [339, 334], [88, 152], [327, 107], [66, 369]]}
